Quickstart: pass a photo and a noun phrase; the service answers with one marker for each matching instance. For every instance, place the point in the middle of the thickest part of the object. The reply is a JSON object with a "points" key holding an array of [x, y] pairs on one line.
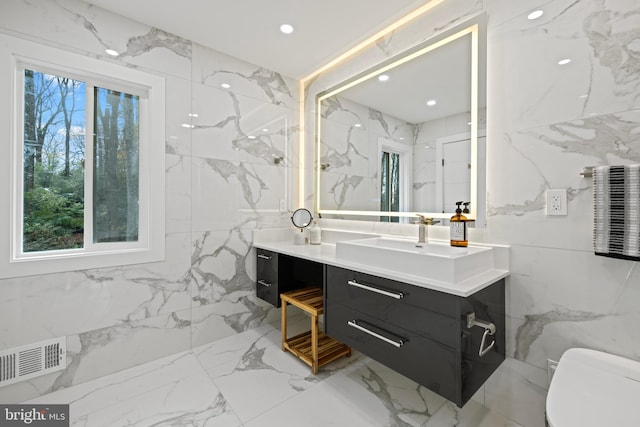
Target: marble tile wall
{"points": [[226, 175], [545, 122]]}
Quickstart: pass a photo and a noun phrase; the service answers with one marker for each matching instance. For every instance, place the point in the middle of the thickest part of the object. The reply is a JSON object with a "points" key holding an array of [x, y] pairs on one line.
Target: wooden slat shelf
{"points": [[313, 347], [329, 349]]}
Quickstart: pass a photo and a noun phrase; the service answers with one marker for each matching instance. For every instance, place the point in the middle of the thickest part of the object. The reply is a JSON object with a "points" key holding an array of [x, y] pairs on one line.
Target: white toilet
{"points": [[594, 389]]}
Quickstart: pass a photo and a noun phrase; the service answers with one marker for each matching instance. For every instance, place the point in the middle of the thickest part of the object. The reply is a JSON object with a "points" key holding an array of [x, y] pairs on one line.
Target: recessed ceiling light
{"points": [[286, 28], [112, 52], [583, 96], [431, 102], [535, 14], [193, 114], [564, 61], [265, 130], [187, 125], [252, 137], [402, 138], [225, 85], [469, 123], [383, 77], [357, 125]]}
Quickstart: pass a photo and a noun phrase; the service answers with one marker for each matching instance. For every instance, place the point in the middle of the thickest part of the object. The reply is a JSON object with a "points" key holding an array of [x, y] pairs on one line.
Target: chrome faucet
{"points": [[423, 230]]}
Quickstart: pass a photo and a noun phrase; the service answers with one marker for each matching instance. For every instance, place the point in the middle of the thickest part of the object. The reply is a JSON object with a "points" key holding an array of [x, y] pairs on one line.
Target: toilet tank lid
{"points": [[593, 388]]}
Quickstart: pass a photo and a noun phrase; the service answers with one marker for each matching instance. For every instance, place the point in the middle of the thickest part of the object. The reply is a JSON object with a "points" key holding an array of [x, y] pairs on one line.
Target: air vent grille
{"points": [[33, 360], [7, 367]]}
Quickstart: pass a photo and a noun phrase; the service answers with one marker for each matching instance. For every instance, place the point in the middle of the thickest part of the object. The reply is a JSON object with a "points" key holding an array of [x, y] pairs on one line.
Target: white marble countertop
{"points": [[326, 253]]}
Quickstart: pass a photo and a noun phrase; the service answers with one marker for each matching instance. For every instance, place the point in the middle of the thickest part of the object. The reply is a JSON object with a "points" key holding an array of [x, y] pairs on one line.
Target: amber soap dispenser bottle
{"points": [[458, 227]]}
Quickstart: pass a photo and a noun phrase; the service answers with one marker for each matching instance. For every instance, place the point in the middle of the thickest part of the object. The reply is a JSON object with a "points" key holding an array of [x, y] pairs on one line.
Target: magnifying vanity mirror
{"points": [[407, 136], [301, 218]]}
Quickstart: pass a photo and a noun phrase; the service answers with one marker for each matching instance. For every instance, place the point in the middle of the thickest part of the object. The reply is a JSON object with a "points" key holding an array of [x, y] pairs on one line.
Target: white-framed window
{"points": [[84, 158]]}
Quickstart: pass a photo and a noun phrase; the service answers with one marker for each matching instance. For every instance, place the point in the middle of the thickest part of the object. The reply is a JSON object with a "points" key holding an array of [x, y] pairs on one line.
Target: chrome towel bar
{"points": [[489, 329]]}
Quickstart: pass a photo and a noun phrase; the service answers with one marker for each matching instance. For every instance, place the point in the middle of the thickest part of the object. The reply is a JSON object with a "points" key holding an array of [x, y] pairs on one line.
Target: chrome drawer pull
{"points": [[263, 256], [263, 283], [396, 295], [354, 324]]}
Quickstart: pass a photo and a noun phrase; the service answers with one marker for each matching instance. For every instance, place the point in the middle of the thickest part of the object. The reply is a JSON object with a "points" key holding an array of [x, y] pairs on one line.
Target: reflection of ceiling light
{"points": [[265, 130], [431, 102], [225, 85], [583, 96], [402, 138], [286, 28], [193, 114], [252, 137], [383, 77], [112, 52], [187, 125], [357, 125], [427, 146], [535, 14], [469, 123], [564, 61]]}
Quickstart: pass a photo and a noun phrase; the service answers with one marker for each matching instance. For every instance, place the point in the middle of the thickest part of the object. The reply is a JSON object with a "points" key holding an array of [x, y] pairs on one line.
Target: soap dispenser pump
{"points": [[458, 227], [466, 210]]}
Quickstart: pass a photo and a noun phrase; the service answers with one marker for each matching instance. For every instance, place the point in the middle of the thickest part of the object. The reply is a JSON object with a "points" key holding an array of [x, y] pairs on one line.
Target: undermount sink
{"points": [[434, 261]]}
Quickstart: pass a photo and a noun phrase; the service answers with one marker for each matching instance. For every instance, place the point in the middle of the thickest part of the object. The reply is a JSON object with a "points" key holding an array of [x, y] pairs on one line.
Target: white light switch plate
{"points": [[557, 202]]}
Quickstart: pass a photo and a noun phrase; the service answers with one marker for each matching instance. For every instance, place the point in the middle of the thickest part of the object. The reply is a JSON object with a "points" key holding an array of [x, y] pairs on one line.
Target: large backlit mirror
{"points": [[408, 135]]}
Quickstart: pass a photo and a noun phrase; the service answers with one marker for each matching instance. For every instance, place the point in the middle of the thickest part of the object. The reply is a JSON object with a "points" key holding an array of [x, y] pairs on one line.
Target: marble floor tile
{"points": [[471, 415], [254, 374], [170, 391], [246, 380]]}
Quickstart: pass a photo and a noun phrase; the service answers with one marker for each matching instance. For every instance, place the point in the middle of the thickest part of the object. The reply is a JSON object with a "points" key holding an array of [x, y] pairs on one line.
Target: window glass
{"points": [[115, 166], [54, 214], [53, 165]]}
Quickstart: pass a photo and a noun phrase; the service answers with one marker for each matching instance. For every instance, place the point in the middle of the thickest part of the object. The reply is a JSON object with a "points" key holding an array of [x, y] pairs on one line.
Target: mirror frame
{"points": [[297, 213], [474, 27]]}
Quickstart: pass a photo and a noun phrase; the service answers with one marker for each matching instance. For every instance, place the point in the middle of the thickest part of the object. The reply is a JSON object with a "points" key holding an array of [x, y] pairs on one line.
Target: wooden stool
{"points": [[312, 347]]}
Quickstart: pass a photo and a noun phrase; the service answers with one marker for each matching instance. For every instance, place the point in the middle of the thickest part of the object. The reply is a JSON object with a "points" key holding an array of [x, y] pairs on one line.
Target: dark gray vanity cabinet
{"points": [[267, 276], [420, 333], [277, 273]]}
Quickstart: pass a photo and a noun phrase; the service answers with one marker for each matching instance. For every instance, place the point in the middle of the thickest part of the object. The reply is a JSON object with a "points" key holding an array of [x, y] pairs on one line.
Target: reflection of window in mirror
{"points": [[395, 177], [390, 185]]}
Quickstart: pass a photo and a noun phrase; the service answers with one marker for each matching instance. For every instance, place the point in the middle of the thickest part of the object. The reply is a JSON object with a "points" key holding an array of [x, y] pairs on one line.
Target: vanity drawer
{"points": [[267, 277], [426, 312], [427, 362]]}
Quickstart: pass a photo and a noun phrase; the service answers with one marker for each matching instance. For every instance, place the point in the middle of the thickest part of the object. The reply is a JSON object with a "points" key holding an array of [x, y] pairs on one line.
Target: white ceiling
{"points": [[442, 75], [249, 29]]}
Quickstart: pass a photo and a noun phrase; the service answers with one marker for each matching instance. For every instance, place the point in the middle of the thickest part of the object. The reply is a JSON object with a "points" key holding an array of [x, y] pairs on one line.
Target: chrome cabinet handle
{"points": [[354, 324], [396, 295], [263, 256], [263, 283]]}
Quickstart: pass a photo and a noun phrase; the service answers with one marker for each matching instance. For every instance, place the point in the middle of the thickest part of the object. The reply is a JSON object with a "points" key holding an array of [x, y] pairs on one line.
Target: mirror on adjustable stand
{"points": [[301, 218]]}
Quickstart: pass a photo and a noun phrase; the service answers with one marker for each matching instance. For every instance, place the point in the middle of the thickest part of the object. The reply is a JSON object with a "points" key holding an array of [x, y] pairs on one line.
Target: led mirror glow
{"points": [[334, 160]]}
